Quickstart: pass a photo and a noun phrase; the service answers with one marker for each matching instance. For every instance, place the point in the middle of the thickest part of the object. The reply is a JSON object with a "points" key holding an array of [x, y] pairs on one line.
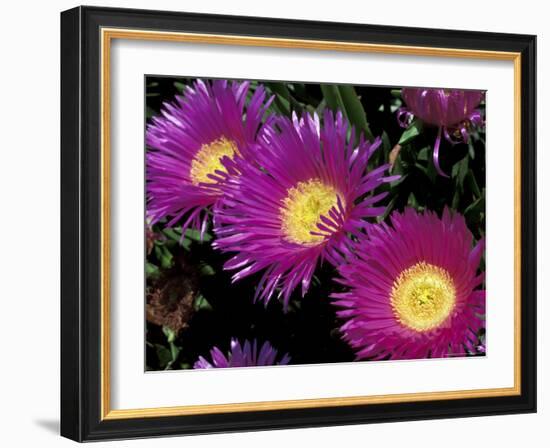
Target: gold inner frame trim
{"points": [[107, 35]]}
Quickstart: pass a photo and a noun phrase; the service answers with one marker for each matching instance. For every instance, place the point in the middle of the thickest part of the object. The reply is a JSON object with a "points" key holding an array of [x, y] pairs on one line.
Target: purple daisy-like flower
{"points": [[313, 189], [191, 143], [245, 355], [452, 111], [414, 289]]}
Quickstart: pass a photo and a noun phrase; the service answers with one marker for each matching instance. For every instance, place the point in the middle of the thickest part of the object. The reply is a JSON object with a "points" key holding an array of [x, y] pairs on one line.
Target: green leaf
{"points": [[315, 281], [321, 107], [413, 131], [431, 172], [412, 201], [164, 255], [428, 170], [456, 199], [158, 251], [179, 85], [201, 303], [396, 182], [174, 352], [279, 89], [284, 101], [151, 270], [294, 306], [195, 235], [169, 333], [149, 112], [472, 184], [388, 210], [395, 104], [398, 167], [423, 153], [408, 155], [354, 110], [386, 144], [300, 92], [460, 170], [172, 234], [475, 208], [207, 270], [282, 106], [164, 355], [168, 356], [332, 97], [471, 150], [311, 109]]}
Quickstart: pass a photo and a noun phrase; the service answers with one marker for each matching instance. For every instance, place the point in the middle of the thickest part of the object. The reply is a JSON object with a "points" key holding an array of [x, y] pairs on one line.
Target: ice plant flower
{"points": [[413, 289], [313, 189], [245, 355], [452, 111], [191, 143]]}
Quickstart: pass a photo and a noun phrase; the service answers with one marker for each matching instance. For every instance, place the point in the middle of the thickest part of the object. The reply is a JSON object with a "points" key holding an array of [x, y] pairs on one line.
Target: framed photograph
{"points": [[274, 224]]}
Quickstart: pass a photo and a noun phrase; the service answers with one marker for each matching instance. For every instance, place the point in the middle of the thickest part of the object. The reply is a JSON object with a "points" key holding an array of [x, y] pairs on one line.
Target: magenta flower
{"points": [[452, 111], [245, 355], [191, 143], [414, 289], [313, 189]]}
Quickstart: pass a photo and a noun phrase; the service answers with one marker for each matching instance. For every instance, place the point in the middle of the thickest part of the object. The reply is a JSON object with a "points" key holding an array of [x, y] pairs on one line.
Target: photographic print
{"points": [[302, 223]]}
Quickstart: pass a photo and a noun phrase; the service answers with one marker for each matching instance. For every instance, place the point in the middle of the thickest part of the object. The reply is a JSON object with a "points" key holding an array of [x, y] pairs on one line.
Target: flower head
{"points": [[413, 289], [313, 189], [452, 111], [191, 143], [442, 107], [245, 355], [170, 297]]}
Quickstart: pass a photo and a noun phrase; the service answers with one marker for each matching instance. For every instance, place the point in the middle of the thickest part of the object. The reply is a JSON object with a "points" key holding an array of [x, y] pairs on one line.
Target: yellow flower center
{"points": [[208, 160], [423, 296], [302, 210]]}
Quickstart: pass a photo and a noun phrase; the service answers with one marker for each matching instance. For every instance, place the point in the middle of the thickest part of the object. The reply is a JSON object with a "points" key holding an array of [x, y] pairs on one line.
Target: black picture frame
{"points": [[81, 210]]}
